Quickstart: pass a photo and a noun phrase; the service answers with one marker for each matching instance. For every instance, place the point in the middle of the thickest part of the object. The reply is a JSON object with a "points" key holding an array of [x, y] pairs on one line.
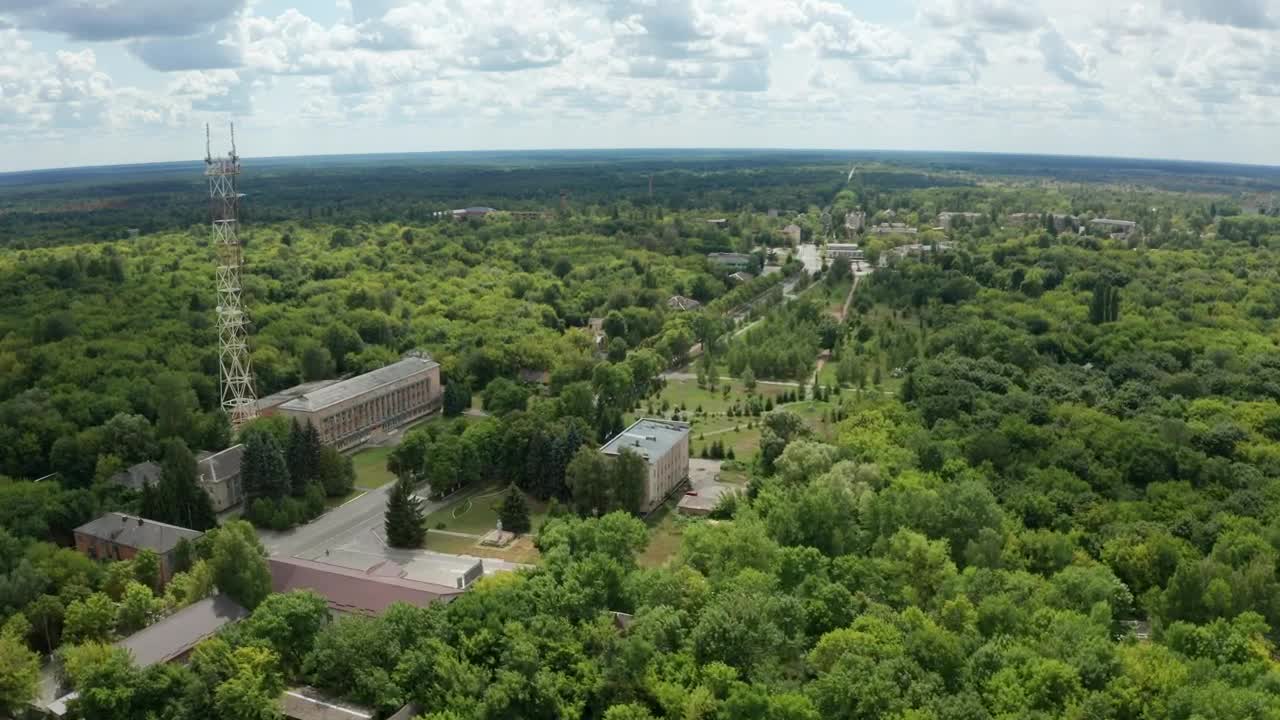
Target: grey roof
{"points": [[181, 631], [138, 475], [408, 712], [359, 385], [135, 532], [277, 399], [352, 591], [219, 466], [305, 703], [728, 257], [1114, 223], [648, 438]]}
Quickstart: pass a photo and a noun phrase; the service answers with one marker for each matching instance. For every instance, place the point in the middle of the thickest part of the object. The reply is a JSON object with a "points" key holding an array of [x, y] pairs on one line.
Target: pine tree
{"points": [[404, 521], [178, 498], [514, 512], [264, 472], [295, 457]]}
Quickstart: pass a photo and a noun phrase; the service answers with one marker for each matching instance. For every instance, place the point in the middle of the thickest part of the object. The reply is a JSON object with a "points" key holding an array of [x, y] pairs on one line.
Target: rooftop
{"points": [[215, 467], [279, 398], [648, 438], [304, 703], [729, 256], [353, 591], [135, 532], [181, 631], [359, 385], [138, 475]]}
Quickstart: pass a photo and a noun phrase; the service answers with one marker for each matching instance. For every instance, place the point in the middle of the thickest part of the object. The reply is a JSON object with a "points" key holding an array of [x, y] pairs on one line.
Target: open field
{"points": [[476, 512], [371, 468]]}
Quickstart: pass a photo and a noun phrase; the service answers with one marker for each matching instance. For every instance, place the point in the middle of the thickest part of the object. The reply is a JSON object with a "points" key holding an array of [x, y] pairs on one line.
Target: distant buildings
{"points": [[664, 445], [1061, 221], [892, 229], [116, 536], [347, 413], [793, 233], [682, 303], [733, 261], [1116, 228], [472, 212], [916, 249], [854, 222], [947, 219], [718, 222], [844, 251]]}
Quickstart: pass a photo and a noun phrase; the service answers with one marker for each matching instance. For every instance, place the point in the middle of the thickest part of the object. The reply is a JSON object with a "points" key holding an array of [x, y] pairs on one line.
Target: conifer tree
{"points": [[514, 512], [404, 521], [264, 471]]}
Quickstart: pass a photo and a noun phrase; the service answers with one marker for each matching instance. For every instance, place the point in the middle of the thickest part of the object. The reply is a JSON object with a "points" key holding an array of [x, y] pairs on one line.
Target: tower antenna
{"points": [[235, 370]]}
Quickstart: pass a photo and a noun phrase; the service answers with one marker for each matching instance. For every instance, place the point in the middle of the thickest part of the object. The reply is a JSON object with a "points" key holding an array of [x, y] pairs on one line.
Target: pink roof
{"points": [[352, 591]]}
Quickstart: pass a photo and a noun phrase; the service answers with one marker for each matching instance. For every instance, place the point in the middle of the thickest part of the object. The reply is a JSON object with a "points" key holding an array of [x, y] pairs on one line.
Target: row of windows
{"points": [[376, 411]]}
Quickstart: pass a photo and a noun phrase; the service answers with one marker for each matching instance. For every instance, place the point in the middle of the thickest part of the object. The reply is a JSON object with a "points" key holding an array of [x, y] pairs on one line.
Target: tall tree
{"points": [[404, 521], [178, 499], [457, 398], [19, 671], [302, 455], [514, 512], [240, 564], [264, 471]]}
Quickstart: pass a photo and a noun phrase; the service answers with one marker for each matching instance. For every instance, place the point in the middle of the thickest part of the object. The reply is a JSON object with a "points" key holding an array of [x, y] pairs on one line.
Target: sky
{"points": [[90, 82]]}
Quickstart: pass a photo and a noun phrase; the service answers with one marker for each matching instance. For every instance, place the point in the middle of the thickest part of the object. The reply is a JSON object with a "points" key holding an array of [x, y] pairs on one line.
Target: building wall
{"points": [[224, 493], [666, 473], [100, 549], [350, 422]]}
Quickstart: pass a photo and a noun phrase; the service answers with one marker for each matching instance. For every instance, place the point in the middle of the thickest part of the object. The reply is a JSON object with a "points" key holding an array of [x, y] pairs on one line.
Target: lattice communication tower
{"points": [[235, 369]]}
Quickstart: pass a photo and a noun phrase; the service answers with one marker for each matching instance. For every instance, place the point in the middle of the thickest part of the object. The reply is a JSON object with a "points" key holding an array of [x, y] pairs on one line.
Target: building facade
{"points": [[116, 536], [844, 251], [664, 445], [219, 475], [735, 261], [793, 233], [347, 413]]}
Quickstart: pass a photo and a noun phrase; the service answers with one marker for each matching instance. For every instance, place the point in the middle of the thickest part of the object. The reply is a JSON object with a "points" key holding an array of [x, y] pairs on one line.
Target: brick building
{"points": [[347, 413], [117, 536]]}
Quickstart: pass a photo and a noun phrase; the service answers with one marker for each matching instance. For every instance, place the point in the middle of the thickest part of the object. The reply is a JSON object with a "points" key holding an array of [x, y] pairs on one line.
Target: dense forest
{"points": [[1051, 490]]}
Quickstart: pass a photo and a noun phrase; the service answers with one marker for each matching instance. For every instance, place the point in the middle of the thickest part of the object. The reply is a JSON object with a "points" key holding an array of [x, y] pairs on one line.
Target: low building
{"points": [[844, 251], [170, 639], [533, 376], [741, 277], [347, 413], [793, 234], [270, 404], [718, 222], [892, 229], [912, 250], [356, 592], [116, 536], [664, 445], [478, 212], [306, 703], [682, 303], [219, 474], [138, 476], [732, 261], [1115, 227], [947, 219]]}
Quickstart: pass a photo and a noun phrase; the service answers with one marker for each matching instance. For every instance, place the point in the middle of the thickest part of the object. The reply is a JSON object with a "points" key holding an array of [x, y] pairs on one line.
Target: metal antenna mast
{"points": [[235, 370]]}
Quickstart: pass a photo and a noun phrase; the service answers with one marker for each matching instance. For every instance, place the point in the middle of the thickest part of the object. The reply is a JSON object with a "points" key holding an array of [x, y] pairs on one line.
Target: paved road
{"points": [[809, 255]]}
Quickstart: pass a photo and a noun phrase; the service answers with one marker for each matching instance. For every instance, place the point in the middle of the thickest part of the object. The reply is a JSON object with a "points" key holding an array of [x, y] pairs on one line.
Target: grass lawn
{"points": [[687, 392], [476, 513], [828, 374], [665, 529], [371, 468], [333, 502], [835, 295], [521, 551]]}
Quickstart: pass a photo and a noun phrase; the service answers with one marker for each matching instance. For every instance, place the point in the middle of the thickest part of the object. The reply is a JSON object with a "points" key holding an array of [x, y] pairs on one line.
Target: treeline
{"points": [[784, 344]]}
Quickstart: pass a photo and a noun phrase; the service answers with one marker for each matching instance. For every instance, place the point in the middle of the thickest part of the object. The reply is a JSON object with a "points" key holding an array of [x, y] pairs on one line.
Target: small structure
{"points": [[137, 476], [793, 234], [718, 222], [733, 261], [117, 536], [682, 303], [703, 499], [1117, 228], [844, 251], [133, 233], [947, 219], [664, 445], [347, 413], [742, 277], [773, 212], [498, 537], [306, 703], [364, 593], [219, 476]]}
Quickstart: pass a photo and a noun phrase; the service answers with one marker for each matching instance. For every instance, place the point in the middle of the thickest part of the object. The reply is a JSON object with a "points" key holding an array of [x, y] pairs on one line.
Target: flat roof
{"points": [[306, 703], [181, 631], [359, 385], [137, 532], [648, 438], [353, 591]]}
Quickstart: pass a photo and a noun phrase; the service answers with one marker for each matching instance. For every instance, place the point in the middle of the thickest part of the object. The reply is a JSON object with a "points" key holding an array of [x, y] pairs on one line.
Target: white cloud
{"points": [[1253, 14], [1067, 61], [118, 19]]}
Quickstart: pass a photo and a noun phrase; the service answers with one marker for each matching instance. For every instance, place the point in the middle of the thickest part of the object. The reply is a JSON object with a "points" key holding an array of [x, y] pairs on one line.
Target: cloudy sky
{"points": [[110, 81]]}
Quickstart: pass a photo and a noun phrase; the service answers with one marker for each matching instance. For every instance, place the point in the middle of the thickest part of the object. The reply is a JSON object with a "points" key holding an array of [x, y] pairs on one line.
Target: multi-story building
{"points": [[947, 219], [664, 445], [854, 222], [892, 229], [844, 251], [793, 234], [116, 536], [347, 413]]}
